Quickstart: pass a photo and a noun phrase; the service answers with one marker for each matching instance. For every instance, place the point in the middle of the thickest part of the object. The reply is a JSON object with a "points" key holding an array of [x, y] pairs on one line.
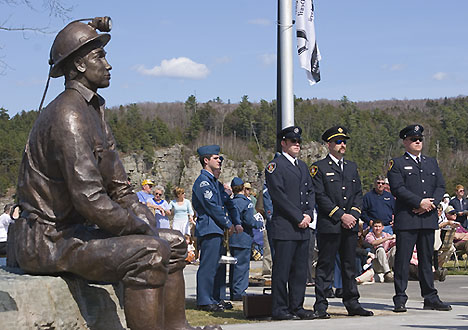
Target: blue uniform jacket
{"points": [[212, 205], [248, 222], [410, 183], [375, 206], [292, 195]]}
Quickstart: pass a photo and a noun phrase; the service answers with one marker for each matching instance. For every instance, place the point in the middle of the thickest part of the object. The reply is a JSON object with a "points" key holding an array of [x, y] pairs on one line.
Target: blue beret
{"points": [[411, 130], [236, 182], [335, 131], [291, 132], [208, 150]]}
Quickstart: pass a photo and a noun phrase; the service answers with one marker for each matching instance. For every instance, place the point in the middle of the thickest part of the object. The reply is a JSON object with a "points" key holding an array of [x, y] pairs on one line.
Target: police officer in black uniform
{"points": [[339, 199], [418, 185], [290, 187]]}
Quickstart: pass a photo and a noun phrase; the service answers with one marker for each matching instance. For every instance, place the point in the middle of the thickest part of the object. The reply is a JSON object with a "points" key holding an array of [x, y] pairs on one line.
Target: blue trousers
{"points": [[211, 275], [239, 273]]}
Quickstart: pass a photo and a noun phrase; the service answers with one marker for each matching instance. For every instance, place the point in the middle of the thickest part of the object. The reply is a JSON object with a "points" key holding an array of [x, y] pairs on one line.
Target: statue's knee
{"points": [[178, 248]]}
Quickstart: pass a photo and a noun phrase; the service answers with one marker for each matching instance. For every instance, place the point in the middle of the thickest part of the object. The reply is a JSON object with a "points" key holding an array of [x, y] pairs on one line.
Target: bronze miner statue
{"points": [[79, 214]]}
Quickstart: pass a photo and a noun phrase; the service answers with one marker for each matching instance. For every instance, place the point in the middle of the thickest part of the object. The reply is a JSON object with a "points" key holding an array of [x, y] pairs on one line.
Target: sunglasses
{"points": [[380, 182], [339, 141], [414, 139], [294, 141], [157, 194]]}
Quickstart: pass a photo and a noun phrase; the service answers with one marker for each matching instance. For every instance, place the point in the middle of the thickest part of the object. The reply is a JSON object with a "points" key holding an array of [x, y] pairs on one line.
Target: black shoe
{"points": [[285, 316], [400, 308], [329, 293], [339, 293], [210, 308], [359, 311], [225, 304], [321, 315], [437, 305], [305, 314]]}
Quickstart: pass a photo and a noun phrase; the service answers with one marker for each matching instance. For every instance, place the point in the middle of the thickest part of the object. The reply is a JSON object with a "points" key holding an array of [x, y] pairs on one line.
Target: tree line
{"points": [[246, 130]]}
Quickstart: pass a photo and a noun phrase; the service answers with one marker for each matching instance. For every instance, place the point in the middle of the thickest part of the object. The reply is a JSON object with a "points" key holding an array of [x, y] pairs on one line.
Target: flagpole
{"points": [[285, 94]]}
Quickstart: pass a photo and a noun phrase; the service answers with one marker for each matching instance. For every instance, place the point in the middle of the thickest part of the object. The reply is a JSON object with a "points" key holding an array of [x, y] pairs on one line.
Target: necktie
{"points": [[418, 160], [340, 164], [296, 163]]}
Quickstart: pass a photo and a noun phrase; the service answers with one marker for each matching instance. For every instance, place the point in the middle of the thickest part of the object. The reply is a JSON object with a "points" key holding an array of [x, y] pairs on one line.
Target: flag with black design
{"points": [[309, 55]]}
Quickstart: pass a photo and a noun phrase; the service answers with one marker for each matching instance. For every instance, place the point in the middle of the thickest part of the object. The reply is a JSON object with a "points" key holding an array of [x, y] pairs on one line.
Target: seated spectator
{"points": [[446, 223], [385, 249], [190, 249], [5, 221], [364, 257], [183, 212]]}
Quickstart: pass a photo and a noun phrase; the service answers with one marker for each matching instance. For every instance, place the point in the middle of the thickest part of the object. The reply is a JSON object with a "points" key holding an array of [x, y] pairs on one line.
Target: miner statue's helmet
{"points": [[75, 36]]}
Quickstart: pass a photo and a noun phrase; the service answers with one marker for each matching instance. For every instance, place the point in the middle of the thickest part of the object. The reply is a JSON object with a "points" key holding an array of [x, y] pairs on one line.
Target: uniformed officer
{"points": [[418, 185], [240, 244], [291, 191], [210, 201], [339, 200]]}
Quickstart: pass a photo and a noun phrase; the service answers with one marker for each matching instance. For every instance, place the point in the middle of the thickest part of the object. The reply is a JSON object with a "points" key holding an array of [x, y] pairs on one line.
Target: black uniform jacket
{"points": [[410, 183], [292, 195], [337, 192]]}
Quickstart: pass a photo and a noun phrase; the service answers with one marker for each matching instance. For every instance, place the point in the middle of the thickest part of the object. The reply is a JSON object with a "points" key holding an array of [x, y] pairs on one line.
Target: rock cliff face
{"points": [[178, 166]]}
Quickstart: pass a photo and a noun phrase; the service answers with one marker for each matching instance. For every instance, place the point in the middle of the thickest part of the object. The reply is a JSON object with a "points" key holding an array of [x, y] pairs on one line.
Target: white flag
{"points": [[309, 55]]}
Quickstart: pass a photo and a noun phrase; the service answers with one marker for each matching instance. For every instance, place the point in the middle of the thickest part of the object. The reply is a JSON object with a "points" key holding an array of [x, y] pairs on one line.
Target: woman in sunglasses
{"points": [[160, 207]]}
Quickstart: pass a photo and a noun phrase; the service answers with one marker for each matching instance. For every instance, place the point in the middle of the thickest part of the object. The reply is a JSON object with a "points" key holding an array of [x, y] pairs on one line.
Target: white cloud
{"points": [[181, 67], [260, 21], [440, 76], [268, 59]]}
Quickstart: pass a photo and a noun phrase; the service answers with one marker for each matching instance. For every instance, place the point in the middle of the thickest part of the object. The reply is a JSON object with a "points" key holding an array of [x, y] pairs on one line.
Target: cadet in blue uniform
{"points": [[291, 191], [418, 185], [339, 201], [211, 202], [240, 245]]}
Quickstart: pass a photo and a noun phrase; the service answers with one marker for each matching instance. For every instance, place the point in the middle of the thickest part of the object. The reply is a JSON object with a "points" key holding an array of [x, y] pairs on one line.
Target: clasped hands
{"points": [[426, 205], [305, 221]]}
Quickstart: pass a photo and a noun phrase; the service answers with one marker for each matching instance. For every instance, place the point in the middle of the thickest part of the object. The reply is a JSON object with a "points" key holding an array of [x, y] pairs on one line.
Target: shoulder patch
{"points": [[250, 206], [208, 194], [390, 165], [204, 184], [313, 170], [271, 167]]}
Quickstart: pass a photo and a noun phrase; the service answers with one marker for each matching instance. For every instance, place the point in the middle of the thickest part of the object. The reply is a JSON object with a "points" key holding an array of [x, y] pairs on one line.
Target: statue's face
{"points": [[96, 69]]}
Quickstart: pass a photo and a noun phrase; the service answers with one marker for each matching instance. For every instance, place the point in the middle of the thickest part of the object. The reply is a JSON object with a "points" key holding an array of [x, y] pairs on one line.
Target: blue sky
{"points": [[371, 50]]}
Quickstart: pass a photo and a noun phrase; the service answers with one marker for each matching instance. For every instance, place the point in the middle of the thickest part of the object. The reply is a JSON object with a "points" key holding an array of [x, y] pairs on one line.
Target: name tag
{"points": [[408, 167], [328, 174]]}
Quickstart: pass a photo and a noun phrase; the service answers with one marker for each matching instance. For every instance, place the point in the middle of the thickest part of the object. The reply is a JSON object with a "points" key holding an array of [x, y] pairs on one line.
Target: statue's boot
{"points": [[174, 304], [144, 308]]}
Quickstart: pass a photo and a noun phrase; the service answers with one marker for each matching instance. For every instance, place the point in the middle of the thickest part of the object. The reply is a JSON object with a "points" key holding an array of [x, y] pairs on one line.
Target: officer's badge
{"points": [[313, 170], [390, 165], [340, 130], [271, 167], [296, 130], [416, 128], [204, 184], [208, 194]]}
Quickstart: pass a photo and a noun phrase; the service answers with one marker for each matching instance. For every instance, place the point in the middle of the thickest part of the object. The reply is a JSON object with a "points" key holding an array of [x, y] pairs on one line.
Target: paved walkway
{"points": [[377, 297]]}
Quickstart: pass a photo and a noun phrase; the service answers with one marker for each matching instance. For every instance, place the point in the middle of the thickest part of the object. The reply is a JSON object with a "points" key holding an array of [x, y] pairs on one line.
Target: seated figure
{"points": [[384, 245], [79, 214]]}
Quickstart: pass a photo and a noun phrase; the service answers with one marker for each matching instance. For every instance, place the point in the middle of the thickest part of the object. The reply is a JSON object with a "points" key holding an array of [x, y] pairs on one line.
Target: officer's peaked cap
{"points": [[291, 132], [335, 131], [411, 130]]}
